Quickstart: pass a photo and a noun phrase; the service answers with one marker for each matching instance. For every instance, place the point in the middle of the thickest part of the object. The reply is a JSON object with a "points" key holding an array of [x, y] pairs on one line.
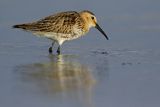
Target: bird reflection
{"points": [[63, 74]]}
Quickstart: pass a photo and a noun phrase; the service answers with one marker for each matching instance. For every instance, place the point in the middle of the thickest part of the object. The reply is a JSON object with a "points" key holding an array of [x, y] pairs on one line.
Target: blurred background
{"points": [[92, 71]]}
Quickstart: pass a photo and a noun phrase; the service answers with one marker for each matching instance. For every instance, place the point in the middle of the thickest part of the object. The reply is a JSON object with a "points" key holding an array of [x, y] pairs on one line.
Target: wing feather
{"points": [[59, 23]]}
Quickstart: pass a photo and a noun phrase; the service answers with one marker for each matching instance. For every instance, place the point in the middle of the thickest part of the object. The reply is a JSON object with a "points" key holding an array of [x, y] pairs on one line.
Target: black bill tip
{"points": [[99, 28]]}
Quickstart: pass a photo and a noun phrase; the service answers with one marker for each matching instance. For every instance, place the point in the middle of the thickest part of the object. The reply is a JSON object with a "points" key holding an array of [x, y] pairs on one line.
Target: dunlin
{"points": [[63, 26]]}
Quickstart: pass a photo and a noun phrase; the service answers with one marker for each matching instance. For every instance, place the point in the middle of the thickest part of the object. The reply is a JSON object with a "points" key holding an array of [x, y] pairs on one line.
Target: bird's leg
{"points": [[59, 50], [50, 48]]}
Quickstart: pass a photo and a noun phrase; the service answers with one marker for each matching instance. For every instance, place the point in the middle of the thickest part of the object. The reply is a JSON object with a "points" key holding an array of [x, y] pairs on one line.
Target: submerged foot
{"points": [[50, 50], [58, 51]]}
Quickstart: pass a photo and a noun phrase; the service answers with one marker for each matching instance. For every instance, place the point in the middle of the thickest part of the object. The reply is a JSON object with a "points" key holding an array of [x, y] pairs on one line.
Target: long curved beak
{"points": [[99, 28]]}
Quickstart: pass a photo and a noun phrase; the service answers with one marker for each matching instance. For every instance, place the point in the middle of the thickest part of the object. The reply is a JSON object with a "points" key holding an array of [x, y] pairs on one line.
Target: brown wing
{"points": [[59, 23]]}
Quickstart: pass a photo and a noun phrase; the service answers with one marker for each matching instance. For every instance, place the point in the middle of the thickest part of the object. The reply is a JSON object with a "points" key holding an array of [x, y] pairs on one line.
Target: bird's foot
{"points": [[50, 50], [58, 52]]}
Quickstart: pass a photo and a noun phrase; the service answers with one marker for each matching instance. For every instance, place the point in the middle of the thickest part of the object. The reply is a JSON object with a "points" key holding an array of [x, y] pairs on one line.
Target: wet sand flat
{"points": [[91, 72]]}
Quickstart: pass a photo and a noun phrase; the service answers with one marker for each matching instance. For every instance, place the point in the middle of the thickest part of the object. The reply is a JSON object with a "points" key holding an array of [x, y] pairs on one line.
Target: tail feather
{"points": [[15, 26], [22, 26], [28, 26]]}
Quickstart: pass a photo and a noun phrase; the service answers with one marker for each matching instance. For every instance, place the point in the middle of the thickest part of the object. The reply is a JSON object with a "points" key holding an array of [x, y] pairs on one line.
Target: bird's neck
{"points": [[87, 25]]}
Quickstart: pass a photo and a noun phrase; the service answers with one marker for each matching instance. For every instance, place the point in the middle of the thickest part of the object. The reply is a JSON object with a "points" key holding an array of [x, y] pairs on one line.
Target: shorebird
{"points": [[63, 26]]}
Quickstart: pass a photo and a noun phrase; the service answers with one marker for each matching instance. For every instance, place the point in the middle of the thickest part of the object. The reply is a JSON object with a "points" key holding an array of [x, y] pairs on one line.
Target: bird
{"points": [[63, 26]]}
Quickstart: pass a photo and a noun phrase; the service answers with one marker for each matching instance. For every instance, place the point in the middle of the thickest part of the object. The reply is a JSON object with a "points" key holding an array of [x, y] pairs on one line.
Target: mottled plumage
{"points": [[62, 26]]}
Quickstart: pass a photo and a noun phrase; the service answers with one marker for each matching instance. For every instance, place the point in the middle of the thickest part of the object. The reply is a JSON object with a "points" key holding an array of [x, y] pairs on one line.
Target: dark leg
{"points": [[59, 50], [50, 48]]}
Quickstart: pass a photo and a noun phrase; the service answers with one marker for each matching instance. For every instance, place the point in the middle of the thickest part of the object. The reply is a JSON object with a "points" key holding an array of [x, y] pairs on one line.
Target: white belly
{"points": [[58, 37]]}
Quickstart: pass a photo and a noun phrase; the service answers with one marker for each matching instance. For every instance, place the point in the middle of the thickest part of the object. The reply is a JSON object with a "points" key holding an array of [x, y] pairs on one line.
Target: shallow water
{"points": [[91, 72]]}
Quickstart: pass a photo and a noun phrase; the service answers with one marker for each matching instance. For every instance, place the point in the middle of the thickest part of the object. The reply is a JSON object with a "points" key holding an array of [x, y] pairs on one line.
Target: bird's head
{"points": [[91, 21]]}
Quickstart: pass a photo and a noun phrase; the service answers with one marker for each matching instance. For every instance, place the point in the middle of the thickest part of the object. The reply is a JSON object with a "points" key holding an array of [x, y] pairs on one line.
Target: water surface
{"points": [[91, 72]]}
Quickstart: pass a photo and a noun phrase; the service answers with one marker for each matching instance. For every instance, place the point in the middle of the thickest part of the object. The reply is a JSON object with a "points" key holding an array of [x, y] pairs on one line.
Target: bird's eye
{"points": [[92, 17]]}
